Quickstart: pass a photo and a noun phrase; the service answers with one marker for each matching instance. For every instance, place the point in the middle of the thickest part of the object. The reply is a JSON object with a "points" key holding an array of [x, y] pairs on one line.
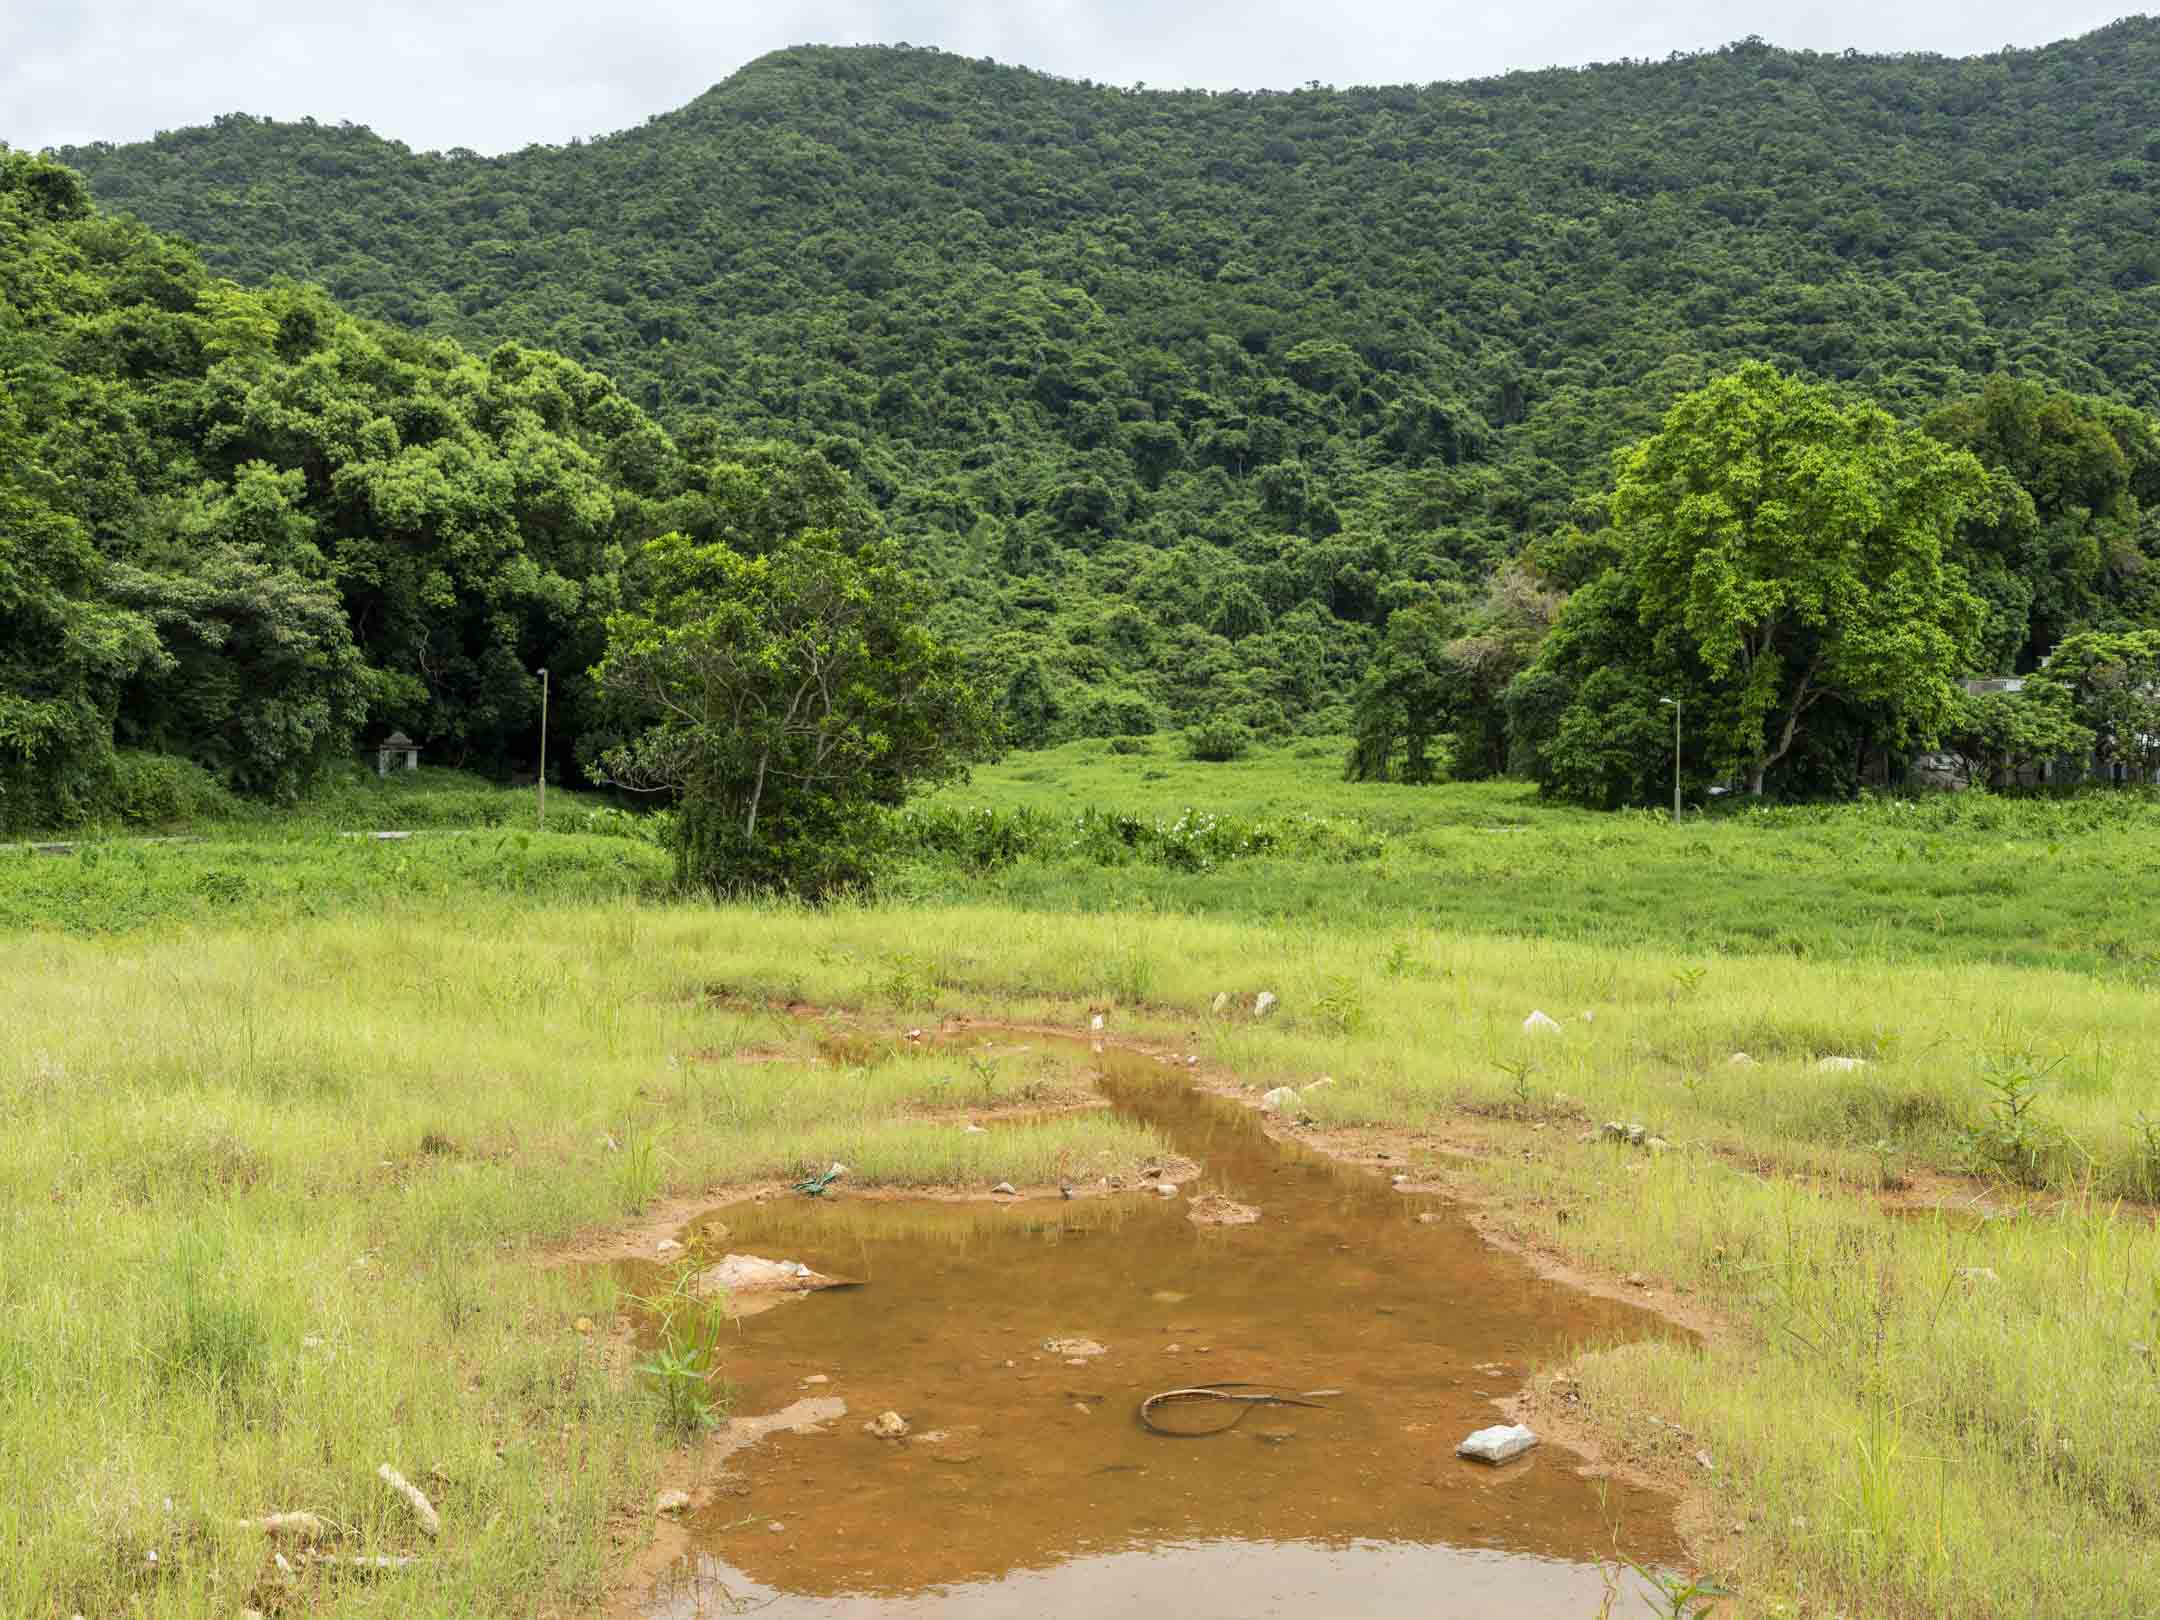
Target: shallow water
{"points": [[1045, 1495]]}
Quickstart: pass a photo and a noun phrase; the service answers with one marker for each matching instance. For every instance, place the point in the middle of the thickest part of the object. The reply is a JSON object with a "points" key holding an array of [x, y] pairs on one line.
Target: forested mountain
{"points": [[1179, 393], [1180, 397]]}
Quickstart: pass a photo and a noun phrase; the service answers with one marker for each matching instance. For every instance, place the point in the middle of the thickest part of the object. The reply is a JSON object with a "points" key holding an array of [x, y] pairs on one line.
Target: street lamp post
{"points": [[542, 783], [1674, 705]]}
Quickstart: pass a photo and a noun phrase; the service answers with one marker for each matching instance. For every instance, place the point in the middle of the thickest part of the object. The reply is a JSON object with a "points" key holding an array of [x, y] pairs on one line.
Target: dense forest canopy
{"points": [[237, 526], [1181, 398]]}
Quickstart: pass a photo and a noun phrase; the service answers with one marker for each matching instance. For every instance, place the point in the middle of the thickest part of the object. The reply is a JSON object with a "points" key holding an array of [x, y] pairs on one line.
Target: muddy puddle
{"points": [[1028, 1486]]}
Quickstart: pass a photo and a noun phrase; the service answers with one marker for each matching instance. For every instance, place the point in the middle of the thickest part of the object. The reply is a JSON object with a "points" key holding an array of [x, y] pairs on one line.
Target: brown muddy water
{"points": [[1028, 1487]]}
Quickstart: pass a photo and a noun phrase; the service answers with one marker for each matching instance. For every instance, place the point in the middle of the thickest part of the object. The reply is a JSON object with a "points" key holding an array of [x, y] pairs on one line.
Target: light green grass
{"points": [[273, 1202], [2064, 882], [284, 1141]]}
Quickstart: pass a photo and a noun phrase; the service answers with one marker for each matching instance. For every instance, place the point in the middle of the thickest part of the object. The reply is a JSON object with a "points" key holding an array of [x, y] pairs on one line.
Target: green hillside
{"points": [[1180, 396], [1203, 384]]}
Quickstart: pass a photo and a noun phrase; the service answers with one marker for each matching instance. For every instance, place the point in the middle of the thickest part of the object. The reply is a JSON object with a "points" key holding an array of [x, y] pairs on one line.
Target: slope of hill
{"points": [[1181, 392]]}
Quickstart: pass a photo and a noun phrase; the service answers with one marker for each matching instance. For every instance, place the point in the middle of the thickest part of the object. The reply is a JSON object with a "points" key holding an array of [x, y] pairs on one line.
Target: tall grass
{"points": [[273, 1197]]}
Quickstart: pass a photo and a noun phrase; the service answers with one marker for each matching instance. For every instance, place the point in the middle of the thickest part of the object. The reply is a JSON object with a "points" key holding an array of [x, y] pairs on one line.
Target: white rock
{"points": [[1222, 1003], [1007, 1188], [671, 1502], [973, 1129], [817, 1378], [1095, 1022], [1497, 1444], [1840, 1065], [1166, 1189], [666, 1246], [887, 1426], [1740, 1060], [753, 1274], [1263, 1004], [777, 1528], [1274, 1102], [1075, 1349], [1538, 1024]]}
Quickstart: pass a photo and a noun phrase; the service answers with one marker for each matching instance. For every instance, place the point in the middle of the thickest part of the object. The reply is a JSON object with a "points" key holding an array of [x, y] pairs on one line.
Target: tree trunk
{"points": [[1755, 776], [757, 792]]}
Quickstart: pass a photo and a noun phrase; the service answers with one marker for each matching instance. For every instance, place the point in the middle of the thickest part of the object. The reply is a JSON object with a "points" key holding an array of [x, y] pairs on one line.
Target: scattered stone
{"points": [[1263, 1004], [1840, 1065], [1075, 1349], [672, 1502], [777, 1528], [298, 1527], [423, 1510], [1740, 1060], [1007, 1188], [1282, 1097], [1213, 1209], [887, 1426], [1165, 1189], [1497, 1444], [1274, 1437], [666, 1246], [1428, 1218], [1083, 1408], [817, 1378], [1538, 1024], [1636, 1279]]}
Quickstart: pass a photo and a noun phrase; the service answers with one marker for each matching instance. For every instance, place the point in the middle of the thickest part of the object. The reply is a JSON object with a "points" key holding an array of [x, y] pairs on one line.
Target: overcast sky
{"points": [[500, 74]]}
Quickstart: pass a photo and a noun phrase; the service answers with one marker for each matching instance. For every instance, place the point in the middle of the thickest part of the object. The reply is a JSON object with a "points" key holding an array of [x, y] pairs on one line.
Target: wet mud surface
{"points": [[1027, 1485]]}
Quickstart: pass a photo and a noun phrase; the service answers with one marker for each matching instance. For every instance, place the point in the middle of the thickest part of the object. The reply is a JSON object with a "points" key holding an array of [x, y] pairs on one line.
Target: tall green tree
{"points": [[785, 698], [1795, 545], [2112, 680]]}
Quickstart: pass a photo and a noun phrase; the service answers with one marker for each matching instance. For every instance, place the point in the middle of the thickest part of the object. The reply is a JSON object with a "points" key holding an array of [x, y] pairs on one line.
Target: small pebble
{"points": [[777, 1528]]}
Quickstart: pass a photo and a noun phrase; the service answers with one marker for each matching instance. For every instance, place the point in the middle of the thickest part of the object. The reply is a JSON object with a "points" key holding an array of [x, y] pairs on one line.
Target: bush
{"points": [[1218, 741], [152, 790], [1128, 745]]}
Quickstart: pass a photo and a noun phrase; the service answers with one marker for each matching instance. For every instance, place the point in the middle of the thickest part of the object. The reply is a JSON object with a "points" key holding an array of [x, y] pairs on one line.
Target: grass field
{"points": [[283, 1153]]}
